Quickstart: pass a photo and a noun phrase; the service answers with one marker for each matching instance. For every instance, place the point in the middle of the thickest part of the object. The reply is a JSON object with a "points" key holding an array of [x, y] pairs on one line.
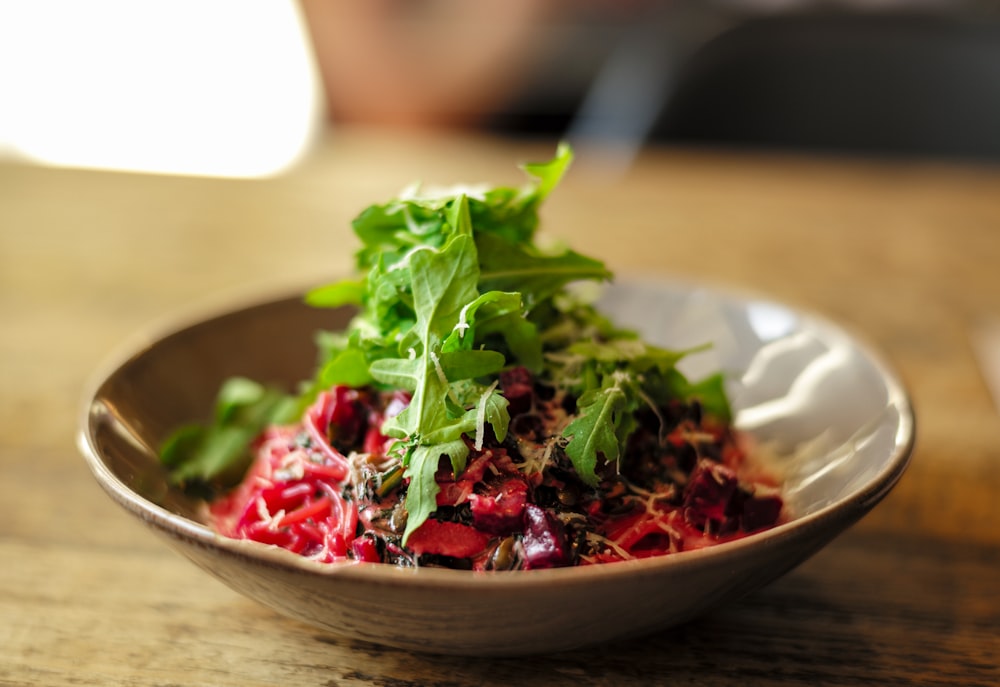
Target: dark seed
{"points": [[503, 556], [568, 495], [397, 521]]}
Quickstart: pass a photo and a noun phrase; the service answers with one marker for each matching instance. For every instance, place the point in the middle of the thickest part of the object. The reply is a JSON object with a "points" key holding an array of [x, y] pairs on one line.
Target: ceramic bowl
{"points": [[828, 413]]}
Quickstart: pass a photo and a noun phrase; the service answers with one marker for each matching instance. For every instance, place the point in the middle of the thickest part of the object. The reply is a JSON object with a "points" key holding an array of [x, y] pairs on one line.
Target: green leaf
{"points": [[498, 313], [493, 304], [390, 230], [443, 282], [406, 374], [347, 292], [178, 447], [549, 174], [217, 455], [349, 367], [520, 336], [421, 494], [537, 276], [492, 409], [458, 365], [217, 452], [238, 394], [711, 393], [398, 373], [594, 431], [458, 216], [623, 350]]}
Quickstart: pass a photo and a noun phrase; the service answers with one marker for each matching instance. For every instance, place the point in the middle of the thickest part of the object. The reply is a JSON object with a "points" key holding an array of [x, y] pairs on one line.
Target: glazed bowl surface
{"points": [[825, 410]]}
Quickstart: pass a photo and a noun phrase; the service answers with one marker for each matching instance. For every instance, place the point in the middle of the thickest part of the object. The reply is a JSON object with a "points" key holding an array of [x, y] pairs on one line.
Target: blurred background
{"points": [[244, 88]]}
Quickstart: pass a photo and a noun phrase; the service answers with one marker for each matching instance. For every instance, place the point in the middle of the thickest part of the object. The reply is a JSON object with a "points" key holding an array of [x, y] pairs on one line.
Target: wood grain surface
{"points": [[905, 254]]}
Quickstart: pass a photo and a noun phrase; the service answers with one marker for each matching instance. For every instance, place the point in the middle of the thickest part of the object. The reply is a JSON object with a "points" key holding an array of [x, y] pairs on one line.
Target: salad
{"points": [[478, 412]]}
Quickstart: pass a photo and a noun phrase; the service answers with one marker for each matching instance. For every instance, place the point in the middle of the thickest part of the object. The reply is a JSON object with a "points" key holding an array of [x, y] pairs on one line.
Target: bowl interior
{"points": [[826, 413], [172, 380]]}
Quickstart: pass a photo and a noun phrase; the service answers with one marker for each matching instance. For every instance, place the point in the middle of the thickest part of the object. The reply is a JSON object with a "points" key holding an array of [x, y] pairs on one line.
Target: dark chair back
{"points": [[875, 84]]}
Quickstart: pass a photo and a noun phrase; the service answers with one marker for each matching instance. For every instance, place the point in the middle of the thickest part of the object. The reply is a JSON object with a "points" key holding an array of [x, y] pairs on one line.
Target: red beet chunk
{"points": [[708, 494], [365, 549], [500, 510], [760, 512], [518, 388], [447, 539], [544, 541]]}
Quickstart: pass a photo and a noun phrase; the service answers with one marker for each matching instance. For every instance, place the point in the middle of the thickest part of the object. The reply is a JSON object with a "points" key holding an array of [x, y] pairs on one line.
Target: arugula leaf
{"points": [[710, 392], [594, 432], [456, 365], [549, 174], [500, 313], [345, 292], [406, 374], [217, 454], [421, 495], [442, 282], [422, 466], [615, 374], [515, 267], [398, 373], [349, 367], [492, 410]]}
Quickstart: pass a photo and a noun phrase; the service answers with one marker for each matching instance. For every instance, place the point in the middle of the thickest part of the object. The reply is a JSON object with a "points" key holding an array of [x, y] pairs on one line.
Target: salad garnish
{"points": [[466, 330]]}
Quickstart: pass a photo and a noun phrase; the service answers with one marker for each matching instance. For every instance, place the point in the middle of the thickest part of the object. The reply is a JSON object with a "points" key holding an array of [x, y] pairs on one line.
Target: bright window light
{"points": [[219, 88]]}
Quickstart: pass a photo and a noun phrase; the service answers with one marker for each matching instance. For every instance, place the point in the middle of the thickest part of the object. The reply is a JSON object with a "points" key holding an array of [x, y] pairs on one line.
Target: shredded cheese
{"points": [[481, 413], [595, 538]]}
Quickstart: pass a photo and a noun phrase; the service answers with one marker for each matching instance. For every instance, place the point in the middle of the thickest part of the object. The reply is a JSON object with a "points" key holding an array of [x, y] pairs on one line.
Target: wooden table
{"points": [[906, 254]]}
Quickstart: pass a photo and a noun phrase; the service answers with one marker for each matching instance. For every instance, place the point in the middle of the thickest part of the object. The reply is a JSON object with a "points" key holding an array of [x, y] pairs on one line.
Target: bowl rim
{"points": [[847, 509]]}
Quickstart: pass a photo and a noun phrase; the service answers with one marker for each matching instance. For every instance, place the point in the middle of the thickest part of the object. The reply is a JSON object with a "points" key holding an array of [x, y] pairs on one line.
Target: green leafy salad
{"points": [[464, 326]]}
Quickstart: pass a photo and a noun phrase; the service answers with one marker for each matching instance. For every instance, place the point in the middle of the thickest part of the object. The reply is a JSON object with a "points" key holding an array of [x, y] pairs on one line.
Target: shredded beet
{"points": [[293, 498], [708, 494], [329, 489]]}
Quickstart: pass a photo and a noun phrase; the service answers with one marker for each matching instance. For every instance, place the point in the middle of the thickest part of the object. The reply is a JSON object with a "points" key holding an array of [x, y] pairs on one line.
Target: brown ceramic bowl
{"points": [[836, 421]]}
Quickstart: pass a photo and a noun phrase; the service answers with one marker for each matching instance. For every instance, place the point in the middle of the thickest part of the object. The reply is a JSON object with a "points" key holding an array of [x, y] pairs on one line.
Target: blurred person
{"points": [[421, 63], [838, 74]]}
